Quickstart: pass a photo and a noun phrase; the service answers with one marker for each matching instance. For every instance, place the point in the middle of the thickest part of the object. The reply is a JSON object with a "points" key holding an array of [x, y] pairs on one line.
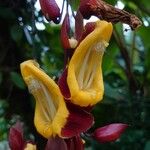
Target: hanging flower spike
{"points": [[52, 115], [109, 132], [50, 111], [105, 11], [84, 78], [50, 10]]}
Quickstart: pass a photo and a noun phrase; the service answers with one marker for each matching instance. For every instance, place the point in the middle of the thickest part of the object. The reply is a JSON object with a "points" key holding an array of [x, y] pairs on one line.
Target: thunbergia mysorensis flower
{"points": [[84, 77], [50, 110], [52, 115]]}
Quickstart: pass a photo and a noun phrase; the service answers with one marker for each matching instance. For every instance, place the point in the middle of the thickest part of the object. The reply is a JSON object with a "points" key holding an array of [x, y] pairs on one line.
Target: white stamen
{"points": [[101, 46], [43, 97], [73, 42]]}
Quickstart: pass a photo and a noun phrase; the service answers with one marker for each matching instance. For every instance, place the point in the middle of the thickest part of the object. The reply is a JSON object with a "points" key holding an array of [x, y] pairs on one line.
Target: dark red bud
{"points": [[16, 141], [78, 25], [109, 132], [50, 10], [65, 32]]}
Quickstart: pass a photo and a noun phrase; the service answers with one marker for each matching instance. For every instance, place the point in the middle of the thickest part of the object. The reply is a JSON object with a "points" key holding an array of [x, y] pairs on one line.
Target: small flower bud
{"points": [[50, 10], [109, 132]]}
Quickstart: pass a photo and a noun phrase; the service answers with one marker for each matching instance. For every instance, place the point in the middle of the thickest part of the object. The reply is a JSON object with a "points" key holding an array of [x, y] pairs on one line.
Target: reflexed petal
{"points": [[78, 121], [75, 143], [109, 132], [50, 111], [16, 141], [50, 10], [56, 144], [84, 78]]}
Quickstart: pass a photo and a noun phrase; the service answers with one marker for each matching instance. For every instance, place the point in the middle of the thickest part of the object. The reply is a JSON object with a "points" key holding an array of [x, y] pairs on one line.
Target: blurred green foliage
{"points": [[127, 86]]}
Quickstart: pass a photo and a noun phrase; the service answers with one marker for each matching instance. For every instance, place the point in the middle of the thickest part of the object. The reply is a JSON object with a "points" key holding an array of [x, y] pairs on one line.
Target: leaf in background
{"points": [[147, 145], [17, 80], [74, 4], [16, 33], [112, 93], [109, 57], [144, 33], [7, 13]]}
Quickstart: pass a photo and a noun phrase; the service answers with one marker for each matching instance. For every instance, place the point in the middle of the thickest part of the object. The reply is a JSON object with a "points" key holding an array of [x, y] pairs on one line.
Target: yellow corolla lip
{"points": [[30, 146], [84, 78], [50, 110]]}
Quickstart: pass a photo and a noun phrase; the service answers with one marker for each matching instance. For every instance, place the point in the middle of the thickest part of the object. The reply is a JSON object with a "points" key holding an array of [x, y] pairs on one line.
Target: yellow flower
{"points": [[84, 78], [50, 110]]}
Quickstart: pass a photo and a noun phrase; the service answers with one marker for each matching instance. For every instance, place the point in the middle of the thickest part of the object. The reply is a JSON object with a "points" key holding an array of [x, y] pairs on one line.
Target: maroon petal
{"points": [[56, 143], [62, 83], [16, 141], [109, 132], [78, 25], [75, 143], [64, 33], [78, 121], [50, 10]]}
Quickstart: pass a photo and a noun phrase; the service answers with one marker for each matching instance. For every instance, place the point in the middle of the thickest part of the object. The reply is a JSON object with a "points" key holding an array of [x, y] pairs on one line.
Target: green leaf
{"points": [[147, 146], [16, 33], [17, 80], [74, 4], [112, 93], [144, 32]]}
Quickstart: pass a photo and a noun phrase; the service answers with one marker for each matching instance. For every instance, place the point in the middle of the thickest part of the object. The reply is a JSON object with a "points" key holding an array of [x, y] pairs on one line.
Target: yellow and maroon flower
{"points": [[52, 115], [84, 74]]}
